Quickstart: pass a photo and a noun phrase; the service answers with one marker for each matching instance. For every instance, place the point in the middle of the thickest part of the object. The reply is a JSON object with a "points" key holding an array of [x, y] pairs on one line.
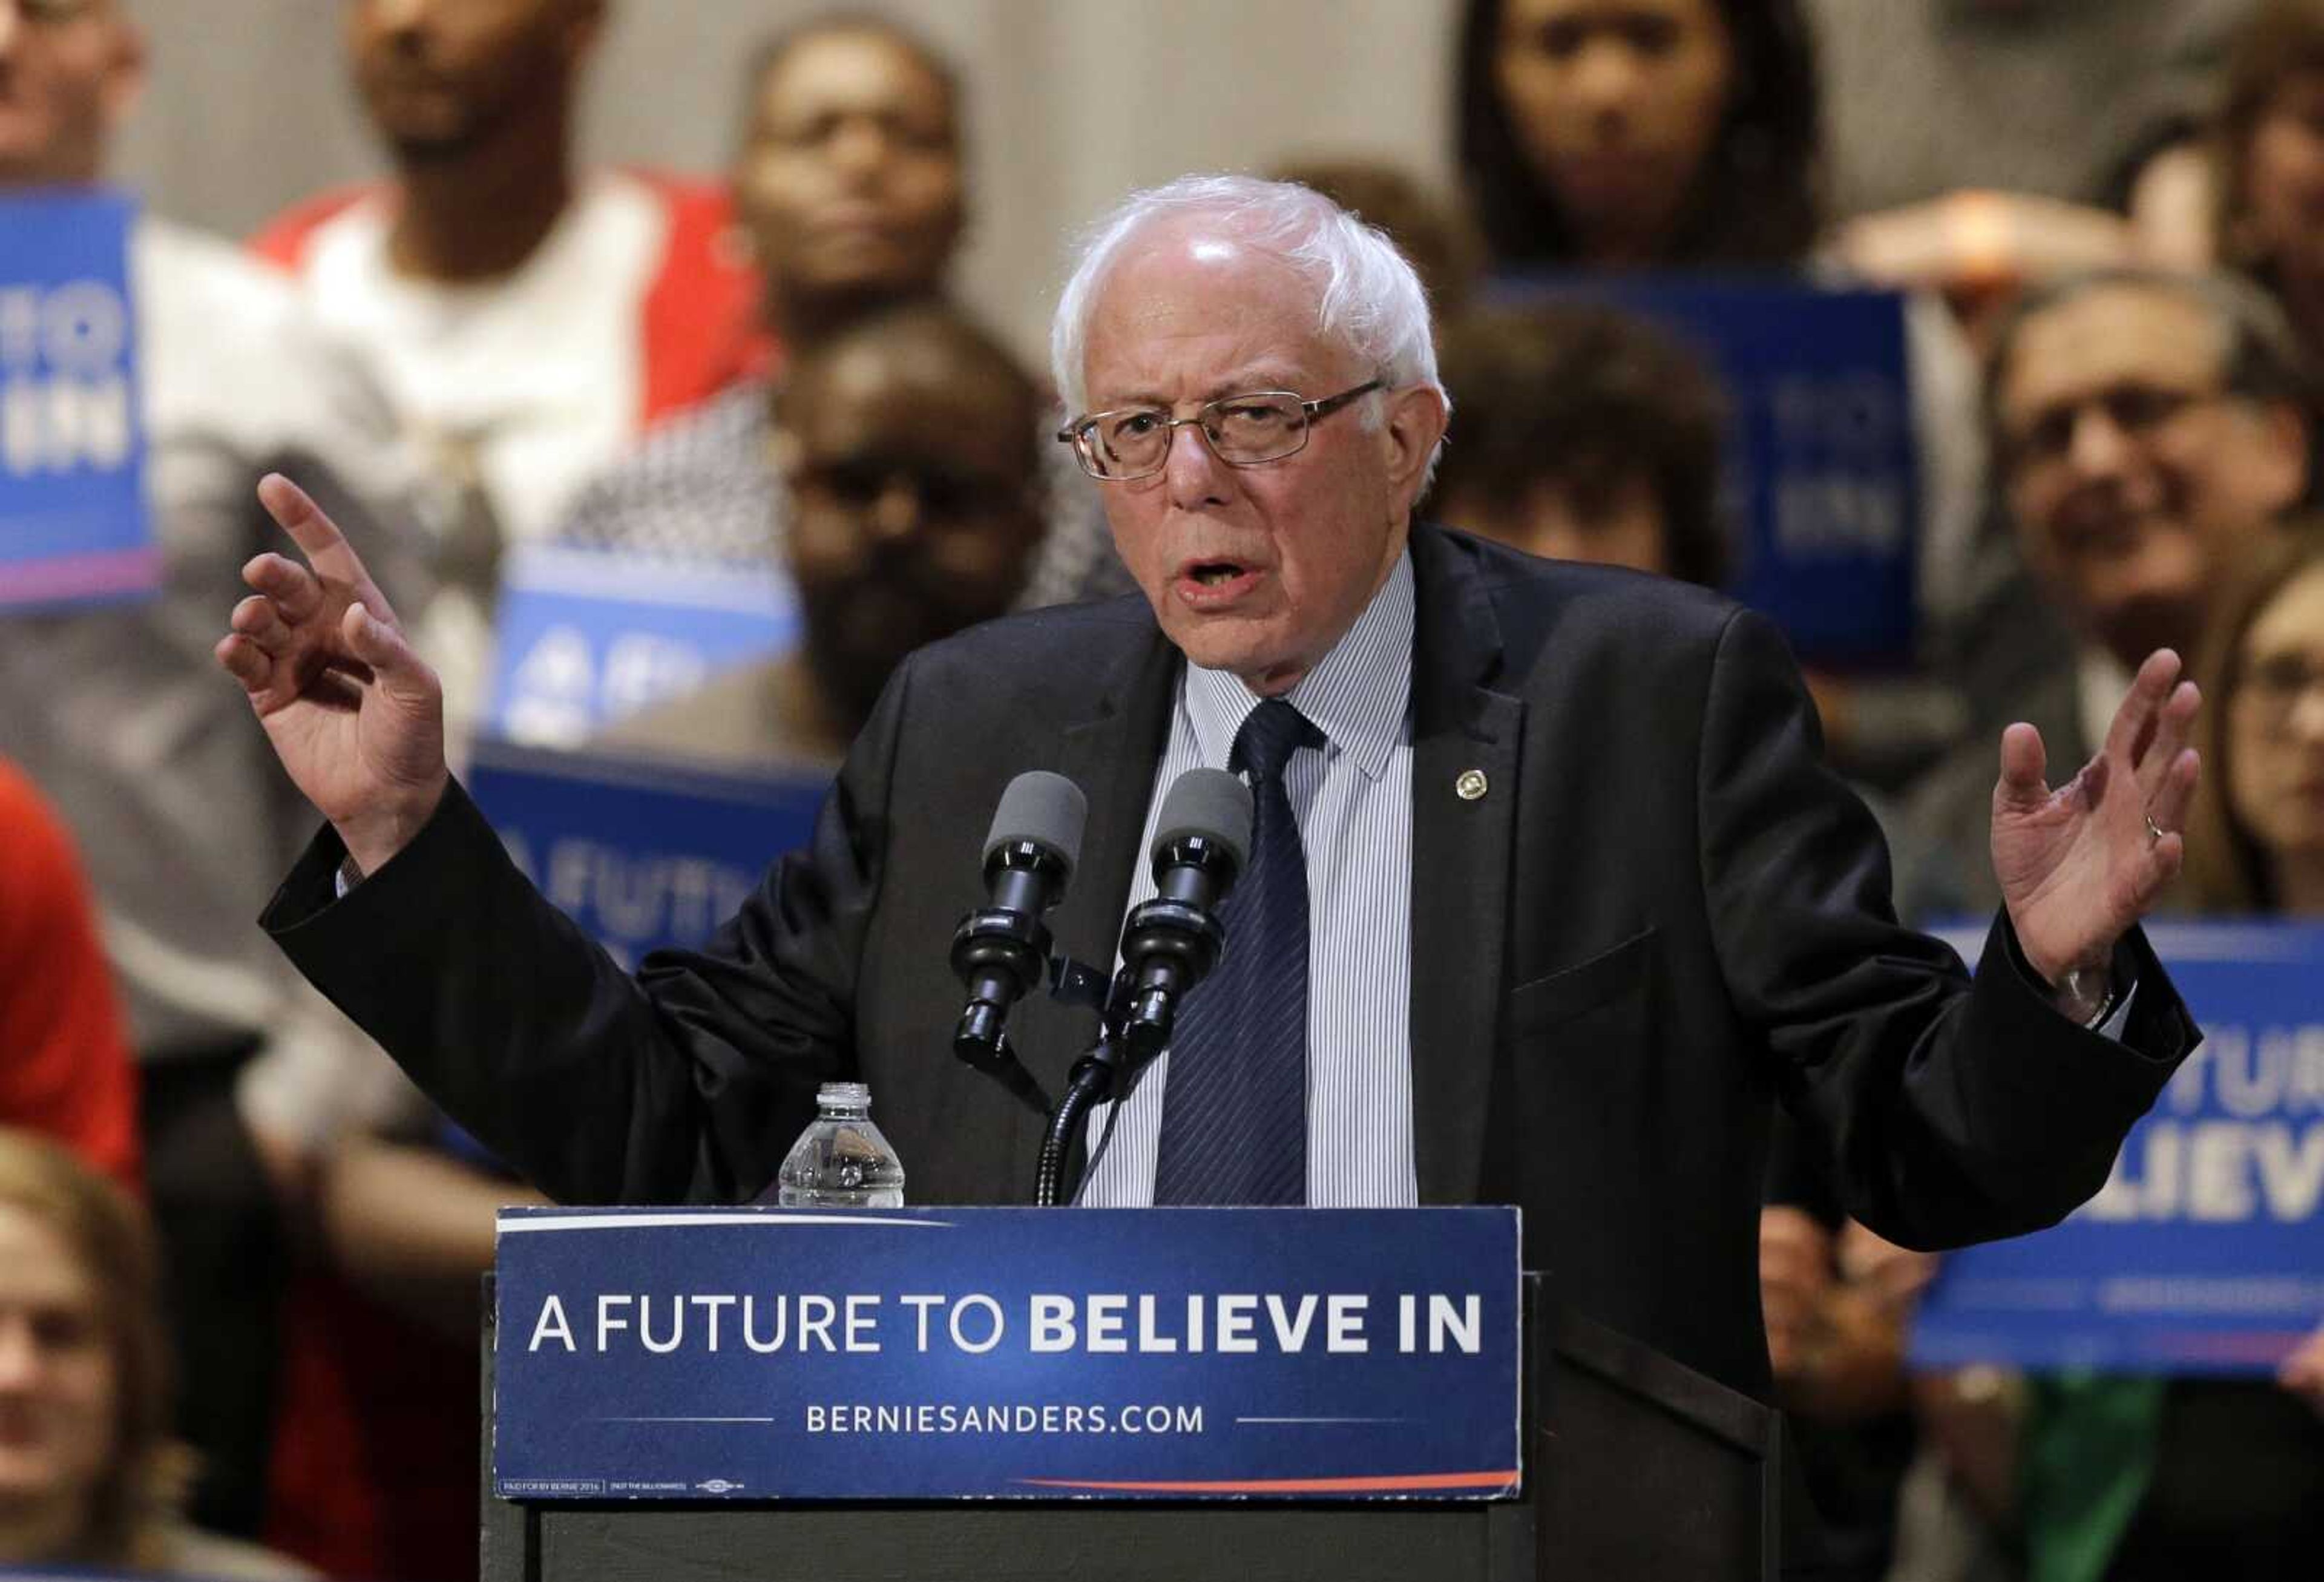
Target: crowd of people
{"points": [[2105, 228]]}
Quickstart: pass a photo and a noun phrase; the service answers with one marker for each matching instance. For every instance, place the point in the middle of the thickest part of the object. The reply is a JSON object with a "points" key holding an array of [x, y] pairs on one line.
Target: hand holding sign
{"points": [[2079, 866], [355, 715]]}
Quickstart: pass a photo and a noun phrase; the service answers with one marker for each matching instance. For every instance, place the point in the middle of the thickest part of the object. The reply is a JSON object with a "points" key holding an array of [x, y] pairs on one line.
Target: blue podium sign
{"points": [[640, 855], [1823, 469], [73, 526], [1006, 1353], [2204, 1251], [583, 637]]}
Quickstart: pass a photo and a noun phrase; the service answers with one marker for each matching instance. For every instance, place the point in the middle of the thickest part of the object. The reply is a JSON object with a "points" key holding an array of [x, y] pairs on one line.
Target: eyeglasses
{"points": [[2273, 686], [1242, 430], [2137, 412]]}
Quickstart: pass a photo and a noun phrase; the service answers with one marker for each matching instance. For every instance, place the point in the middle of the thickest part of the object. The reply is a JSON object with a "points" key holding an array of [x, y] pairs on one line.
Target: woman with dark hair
{"points": [[2136, 1479], [2268, 152], [1611, 134], [2256, 835], [88, 1475]]}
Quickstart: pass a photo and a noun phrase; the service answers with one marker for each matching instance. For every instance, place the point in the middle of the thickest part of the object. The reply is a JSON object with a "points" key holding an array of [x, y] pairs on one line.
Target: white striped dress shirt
{"points": [[1352, 800]]}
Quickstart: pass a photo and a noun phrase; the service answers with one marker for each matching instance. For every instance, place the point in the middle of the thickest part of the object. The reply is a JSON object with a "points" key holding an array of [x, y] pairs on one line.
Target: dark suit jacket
{"points": [[1663, 915]]}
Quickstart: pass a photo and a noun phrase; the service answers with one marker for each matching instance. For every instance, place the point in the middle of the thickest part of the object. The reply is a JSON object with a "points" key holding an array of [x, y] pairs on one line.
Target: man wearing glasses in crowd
{"points": [[1579, 899], [2142, 425]]}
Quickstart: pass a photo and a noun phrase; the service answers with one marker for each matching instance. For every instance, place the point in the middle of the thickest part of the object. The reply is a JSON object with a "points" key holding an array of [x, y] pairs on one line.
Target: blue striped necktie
{"points": [[1234, 1102]]}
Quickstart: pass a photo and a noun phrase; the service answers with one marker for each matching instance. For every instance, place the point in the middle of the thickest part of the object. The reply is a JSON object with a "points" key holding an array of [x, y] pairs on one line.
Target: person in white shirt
{"points": [[527, 318]]}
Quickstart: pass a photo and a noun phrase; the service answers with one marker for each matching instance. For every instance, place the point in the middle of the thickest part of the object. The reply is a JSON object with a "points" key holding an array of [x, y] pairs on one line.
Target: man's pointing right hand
{"points": [[357, 717]]}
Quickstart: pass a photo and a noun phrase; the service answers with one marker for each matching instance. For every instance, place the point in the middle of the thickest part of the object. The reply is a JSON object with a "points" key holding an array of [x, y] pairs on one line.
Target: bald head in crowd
{"points": [[446, 79], [2143, 425], [848, 177], [908, 445], [69, 71]]}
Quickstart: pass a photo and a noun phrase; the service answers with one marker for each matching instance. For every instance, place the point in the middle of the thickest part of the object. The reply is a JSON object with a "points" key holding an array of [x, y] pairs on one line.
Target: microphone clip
{"points": [[992, 945]]}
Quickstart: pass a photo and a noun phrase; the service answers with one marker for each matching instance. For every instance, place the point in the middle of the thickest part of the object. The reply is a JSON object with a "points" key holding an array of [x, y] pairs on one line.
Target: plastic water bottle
{"points": [[841, 1161]]}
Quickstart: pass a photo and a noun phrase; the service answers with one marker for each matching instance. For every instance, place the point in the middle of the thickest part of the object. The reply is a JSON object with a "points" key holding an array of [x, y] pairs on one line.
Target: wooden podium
{"points": [[1635, 1467]]}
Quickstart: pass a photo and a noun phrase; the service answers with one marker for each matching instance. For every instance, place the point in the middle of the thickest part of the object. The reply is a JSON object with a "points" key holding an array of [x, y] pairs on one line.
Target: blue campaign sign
{"points": [[640, 855], [2204, 1252], [1823, 471], [1011, 1353], [585, 636], [73, 526]]}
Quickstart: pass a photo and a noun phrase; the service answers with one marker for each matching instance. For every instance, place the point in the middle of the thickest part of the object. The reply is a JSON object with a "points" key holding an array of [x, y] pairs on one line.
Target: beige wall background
{"points": [[1071, 103]]}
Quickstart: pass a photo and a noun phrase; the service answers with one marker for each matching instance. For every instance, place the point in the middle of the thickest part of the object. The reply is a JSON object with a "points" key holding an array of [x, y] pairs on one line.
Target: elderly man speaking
{"points": [[1547, 869]]}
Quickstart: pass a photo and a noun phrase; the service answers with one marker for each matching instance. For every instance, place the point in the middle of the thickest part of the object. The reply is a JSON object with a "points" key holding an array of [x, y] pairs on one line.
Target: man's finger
{"points": [[2163, 861], [246, 661], [318, 537], [2136, 719], [257, 619], [291, 585], [2025, 767], [2172, 726], [2175, 794], [380, 645]]}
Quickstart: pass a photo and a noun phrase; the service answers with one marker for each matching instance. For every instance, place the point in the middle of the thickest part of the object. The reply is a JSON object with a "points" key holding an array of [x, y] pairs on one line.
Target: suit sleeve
{"points": [[684, 1084], [1953, 1112]]}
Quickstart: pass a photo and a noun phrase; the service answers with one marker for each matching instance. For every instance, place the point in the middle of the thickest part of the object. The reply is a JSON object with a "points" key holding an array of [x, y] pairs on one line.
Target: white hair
{"points": [[1368, 297]]}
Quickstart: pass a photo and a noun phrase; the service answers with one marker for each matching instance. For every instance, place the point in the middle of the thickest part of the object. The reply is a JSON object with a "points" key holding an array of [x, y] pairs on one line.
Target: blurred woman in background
{"points": [[2270, 159], [89, 1476], [2255, 837], [2133, 1479], [1672, 133]]}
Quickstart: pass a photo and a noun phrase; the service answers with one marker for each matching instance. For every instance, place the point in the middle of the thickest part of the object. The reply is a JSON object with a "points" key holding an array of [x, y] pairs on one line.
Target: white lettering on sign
{"points": [[643, 667], [1838, 513], [2217, 1171], [78, 327], [1102, 1323], [64, 422], [654, 895]]}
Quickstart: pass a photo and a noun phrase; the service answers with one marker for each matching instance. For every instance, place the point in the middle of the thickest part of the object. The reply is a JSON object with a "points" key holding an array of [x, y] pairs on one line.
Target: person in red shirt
{"points": [[527, 317], [64, 1057]]}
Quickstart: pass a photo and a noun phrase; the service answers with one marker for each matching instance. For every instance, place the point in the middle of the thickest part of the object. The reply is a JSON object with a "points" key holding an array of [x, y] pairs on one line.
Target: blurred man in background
{"points": [[907, 448], [177, 806], [2142, 425], [528, 320], [850, 183]]}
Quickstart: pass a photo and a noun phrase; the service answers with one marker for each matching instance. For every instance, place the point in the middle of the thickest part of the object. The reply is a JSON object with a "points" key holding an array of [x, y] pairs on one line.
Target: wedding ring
{"points": [[2153, 831]]}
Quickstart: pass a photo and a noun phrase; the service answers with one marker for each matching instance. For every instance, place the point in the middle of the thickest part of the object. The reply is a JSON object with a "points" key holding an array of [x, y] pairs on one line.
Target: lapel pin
{"points": [[1470, 786]]}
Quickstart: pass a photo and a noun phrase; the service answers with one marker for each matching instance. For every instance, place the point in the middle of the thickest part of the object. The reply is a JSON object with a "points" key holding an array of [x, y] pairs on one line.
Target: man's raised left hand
{"points": [[2081, 865]]}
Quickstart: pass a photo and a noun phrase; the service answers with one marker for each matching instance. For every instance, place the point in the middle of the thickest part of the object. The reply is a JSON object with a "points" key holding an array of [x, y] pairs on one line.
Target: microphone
{"points": [[1202, 841], [1002, 951], [1169, 943]]}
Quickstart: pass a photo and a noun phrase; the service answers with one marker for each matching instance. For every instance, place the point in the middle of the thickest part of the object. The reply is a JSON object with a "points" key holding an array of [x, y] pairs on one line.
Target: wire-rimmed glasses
{"points": [[1241, 430]]}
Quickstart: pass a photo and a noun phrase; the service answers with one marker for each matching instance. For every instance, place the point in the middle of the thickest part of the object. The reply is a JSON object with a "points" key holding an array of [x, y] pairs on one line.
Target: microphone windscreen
{"points": [[1209, 803], [1042, 807]]}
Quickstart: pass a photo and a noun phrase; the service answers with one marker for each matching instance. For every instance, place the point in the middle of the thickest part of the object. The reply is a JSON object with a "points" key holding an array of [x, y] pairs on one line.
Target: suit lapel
{"points": [[1111, 754], [1465, 750]]}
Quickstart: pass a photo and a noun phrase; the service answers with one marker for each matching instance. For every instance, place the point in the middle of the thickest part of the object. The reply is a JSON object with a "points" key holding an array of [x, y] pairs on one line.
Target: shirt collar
{"points": [[1357, 697]]}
